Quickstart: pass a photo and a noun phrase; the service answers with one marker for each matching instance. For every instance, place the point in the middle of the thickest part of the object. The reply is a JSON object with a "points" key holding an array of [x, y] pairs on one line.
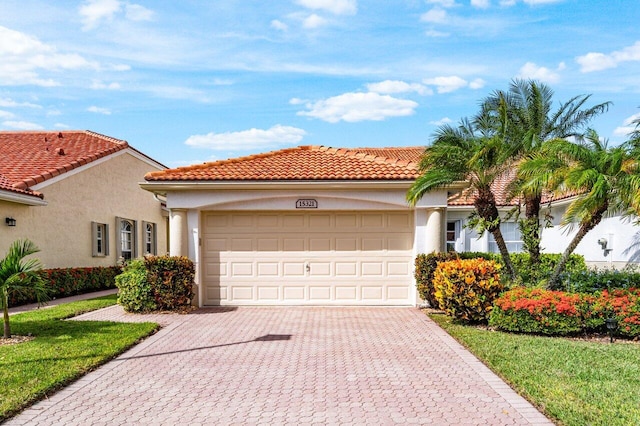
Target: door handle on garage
{"points": [[307, 267]]}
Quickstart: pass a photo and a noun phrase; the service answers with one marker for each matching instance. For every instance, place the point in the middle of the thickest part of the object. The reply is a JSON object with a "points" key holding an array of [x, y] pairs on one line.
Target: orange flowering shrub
{"points": [[540, 311], [466, 288]]}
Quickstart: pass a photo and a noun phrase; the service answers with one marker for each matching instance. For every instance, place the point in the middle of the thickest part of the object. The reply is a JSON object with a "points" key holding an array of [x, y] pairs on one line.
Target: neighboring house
{"points": [[313, 225], [613, 243], [76, 195]]}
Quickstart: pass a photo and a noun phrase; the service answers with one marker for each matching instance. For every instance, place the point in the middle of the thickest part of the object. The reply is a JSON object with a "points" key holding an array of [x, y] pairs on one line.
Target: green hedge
{"points": [[593, 281], [425, 265], [64, 282], [156, 283]]}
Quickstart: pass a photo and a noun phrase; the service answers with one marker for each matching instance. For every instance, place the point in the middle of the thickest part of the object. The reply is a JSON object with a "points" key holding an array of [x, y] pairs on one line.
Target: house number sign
{"points": [[307, 203]]}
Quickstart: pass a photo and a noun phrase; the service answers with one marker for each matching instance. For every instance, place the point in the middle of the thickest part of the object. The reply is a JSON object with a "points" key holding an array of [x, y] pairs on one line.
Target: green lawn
{"points": [[61, 351], [574, 382]]}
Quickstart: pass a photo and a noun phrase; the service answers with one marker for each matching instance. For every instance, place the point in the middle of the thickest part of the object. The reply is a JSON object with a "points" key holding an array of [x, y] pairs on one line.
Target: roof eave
{"points": [[163, 187], [14, 197]]}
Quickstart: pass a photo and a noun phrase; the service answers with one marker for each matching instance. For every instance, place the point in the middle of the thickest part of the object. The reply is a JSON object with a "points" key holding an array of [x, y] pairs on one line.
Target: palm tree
{"points": [[474, 152], [606, 180], [19, 275], [532, 123]]}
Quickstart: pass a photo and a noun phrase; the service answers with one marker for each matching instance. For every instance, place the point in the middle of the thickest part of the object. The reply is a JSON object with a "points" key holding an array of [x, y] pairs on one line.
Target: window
{"points": [[127, 241], [512, 238], [100, 239], [453, 233], [149, 230]]}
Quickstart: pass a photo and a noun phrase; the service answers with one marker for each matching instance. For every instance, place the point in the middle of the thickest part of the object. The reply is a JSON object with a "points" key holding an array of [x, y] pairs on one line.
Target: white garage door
{"points": [[313, 258]]}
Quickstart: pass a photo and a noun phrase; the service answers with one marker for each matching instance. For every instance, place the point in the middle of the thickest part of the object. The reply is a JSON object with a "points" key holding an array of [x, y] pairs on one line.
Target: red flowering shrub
{"points": [[541, 311], [559, 313], [466, 288], [63, 282], [624, 305]]}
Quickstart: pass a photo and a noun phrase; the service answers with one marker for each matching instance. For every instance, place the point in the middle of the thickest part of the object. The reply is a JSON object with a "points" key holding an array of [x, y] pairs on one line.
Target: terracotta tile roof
{"points": [[304, 163], [499, 188], [29, 158]]}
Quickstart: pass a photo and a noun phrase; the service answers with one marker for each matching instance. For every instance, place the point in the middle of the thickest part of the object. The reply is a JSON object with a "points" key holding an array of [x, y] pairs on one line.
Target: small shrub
{"points": [[134, 289], [531, 276], [171, 279], [425, 266], [595, 280], [466, 288], [156, 283], [533, 310]]}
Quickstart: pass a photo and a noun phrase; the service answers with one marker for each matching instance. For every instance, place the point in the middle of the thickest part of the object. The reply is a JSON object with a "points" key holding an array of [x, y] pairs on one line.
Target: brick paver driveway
{"points": [[288, 366]]}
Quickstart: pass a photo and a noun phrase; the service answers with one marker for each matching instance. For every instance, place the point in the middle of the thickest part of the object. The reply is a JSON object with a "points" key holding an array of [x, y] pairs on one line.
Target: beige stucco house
{"points": [[76, 194], [314, 225], [309, 225]]}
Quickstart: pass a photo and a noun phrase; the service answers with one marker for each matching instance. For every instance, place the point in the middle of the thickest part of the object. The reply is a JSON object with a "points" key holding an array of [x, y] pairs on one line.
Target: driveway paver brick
{"points": [[288, 365]]}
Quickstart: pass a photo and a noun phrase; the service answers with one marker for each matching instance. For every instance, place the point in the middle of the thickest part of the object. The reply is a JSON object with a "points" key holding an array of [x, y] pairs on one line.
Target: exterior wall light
{"points": [[10, 221]]}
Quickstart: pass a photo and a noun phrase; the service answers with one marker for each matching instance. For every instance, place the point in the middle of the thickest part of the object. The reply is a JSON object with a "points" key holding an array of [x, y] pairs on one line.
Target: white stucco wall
{"points": [[623, 239], [97, 192]]}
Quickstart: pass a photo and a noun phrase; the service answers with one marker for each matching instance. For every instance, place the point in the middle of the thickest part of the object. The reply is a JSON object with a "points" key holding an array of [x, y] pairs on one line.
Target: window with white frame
{"points": [[127, 241], [149, 233], [99, 239], [512, 238], [453, 233]]}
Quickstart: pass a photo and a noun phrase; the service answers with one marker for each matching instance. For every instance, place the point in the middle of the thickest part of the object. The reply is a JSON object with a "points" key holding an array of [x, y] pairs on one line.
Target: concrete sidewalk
{"points": [[288, 365], [54, 302]]}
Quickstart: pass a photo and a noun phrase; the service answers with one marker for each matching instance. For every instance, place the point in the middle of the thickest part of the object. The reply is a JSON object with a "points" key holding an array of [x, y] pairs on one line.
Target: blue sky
{"points": [[192, 81]]}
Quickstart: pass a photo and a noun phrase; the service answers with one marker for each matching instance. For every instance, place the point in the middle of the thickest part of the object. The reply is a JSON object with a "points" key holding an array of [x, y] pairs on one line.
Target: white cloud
{"points": [[480, 4], [354, 107], [100, 85], [337, 7], [435, 16], [251, 139], [6, 115], [10, 103], [136, 12], [535, 72], [389, 87], [99, 110], [297, 101], [23, 56], [442, 121], [61, 126], [446, 84], [120, 67], [313, 21], [93, 12], [478, 83], [627, 125], [596, 61], [22, 125], [279, 25]]}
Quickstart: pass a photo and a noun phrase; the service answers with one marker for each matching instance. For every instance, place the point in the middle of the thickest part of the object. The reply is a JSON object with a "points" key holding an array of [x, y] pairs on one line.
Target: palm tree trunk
{"points": [[585, 227], [485, 205], [504, 252], [531, 235]]}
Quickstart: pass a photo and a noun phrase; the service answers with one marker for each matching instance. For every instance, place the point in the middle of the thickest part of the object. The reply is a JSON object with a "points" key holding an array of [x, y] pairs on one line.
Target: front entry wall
{"points": [[313, 258]]}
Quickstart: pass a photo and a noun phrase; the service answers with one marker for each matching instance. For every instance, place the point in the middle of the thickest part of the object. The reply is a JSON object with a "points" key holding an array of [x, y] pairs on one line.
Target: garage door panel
{"points": [[319, 293], [294, 293], [281, 258], [372, 293]]}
